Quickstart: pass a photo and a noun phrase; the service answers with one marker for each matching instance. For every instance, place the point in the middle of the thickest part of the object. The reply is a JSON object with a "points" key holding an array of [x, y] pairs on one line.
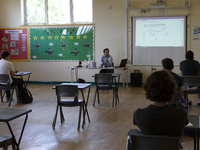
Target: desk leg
{"points": [[86, 102], [123, 78], [22, 131], [72, 74]]}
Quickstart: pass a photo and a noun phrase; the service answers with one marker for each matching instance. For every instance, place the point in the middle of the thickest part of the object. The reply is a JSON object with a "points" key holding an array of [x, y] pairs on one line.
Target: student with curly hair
{"points": [[159, 118]]}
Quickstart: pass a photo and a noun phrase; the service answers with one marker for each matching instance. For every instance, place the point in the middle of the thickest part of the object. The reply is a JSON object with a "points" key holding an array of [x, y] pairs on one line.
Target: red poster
{"points": [[15, 40]]}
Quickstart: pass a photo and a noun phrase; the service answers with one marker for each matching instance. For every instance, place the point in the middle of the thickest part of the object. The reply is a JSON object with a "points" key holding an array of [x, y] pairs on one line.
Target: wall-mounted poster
{"points": [[61, 43], [15, 40]]}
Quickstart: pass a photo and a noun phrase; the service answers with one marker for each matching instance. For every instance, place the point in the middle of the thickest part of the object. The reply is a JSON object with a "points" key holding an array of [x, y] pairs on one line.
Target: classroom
{"points": [[112, 22]]}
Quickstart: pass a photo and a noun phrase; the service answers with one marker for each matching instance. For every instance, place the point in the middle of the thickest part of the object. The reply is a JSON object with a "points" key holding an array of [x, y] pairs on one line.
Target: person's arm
{"points": [[110, 60], [101, 60], [12, 74], [181, 90]]}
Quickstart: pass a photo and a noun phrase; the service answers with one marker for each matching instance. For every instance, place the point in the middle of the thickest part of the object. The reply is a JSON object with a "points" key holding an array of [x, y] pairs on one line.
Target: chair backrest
{"points": [[103, 78], [191, 80], [154, 142], [176, 99], [67, 91], [4, 79]]}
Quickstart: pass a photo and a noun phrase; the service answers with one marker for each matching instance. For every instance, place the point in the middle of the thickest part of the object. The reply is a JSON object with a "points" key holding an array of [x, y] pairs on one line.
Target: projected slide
{"points": [[159, 32]]}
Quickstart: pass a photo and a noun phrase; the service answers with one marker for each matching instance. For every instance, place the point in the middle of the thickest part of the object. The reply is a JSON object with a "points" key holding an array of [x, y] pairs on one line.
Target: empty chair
{"points": [[5, 141], [67, 96], [154, 142], [5, 85], [104, 81]]}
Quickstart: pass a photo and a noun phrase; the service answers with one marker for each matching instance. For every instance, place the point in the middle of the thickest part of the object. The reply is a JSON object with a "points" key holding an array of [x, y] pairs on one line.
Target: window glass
{"points": [[35, 11], [82, 10], [59, 11]]}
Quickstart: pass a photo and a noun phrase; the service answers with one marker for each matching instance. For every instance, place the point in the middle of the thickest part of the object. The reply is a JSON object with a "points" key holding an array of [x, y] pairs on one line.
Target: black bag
{"points": [[80, 80], [26, 96]]}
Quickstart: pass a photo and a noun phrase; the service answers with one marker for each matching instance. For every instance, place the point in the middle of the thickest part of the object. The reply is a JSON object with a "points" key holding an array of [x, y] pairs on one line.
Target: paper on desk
{"points": [[189, 124]]}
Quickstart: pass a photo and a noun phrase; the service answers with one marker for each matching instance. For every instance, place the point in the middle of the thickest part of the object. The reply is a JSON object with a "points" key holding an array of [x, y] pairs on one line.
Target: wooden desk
{"points": [[81, 87], [195, 128], [9, 114], [21, 74], [74, 73]]}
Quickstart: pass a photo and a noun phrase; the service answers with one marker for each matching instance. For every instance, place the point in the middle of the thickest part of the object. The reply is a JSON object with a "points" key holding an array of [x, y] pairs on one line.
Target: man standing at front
{"points": [[6, 67]]}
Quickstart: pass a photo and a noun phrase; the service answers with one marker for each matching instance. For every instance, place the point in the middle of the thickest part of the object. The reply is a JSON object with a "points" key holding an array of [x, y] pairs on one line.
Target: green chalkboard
{"points": [[62, 43]]}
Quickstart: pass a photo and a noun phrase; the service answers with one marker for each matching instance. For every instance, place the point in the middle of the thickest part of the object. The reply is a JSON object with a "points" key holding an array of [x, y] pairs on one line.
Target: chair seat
{"points": [[70, 102], [6, 140]]}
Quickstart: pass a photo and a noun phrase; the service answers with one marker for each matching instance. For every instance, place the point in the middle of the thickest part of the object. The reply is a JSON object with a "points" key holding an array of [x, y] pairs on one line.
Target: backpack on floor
{"points": [[26, 96]]}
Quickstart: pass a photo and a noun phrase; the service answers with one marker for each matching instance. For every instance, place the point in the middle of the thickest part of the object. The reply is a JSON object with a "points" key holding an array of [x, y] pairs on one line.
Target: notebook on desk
{"points": [[122, 63]]}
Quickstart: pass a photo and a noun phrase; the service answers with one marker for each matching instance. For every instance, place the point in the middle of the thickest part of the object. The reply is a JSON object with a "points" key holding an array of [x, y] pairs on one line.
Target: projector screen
{"points": [[155, 38]]}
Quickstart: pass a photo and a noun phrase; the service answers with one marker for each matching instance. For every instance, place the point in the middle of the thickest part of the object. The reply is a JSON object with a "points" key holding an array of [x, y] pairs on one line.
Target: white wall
{"points": [[110, 31]]}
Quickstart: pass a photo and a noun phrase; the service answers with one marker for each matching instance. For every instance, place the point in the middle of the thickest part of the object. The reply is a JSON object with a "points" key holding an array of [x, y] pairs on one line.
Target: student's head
{"points": [[106, 52], [168, 64], [160, 86], [5, 54], [189, 55]]}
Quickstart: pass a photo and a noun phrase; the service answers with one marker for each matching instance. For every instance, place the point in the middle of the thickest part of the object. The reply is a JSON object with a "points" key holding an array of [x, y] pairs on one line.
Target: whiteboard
{"points": [[155, 38]]}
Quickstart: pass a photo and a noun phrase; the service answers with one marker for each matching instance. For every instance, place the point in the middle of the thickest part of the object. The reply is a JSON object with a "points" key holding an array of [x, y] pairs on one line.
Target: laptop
{"points": [[122, 64]]}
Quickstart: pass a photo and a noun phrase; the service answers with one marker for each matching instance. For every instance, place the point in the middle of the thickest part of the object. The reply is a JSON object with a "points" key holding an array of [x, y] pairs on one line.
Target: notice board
{"points": [[15, 40], [61, 43]]}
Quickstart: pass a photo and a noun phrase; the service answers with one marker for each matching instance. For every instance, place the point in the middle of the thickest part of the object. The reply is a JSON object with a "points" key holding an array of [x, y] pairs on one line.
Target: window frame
{"points": [[24, 15]]}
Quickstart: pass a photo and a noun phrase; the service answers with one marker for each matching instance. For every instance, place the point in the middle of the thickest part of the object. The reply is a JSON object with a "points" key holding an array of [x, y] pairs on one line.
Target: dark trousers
{"points": [[19, 82]]}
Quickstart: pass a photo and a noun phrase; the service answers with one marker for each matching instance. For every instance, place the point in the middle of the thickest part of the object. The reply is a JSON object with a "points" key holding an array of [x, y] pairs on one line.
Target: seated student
{"points": [[106, 60], [168, 65], [189, 66], [159, 118], [6, 67]]}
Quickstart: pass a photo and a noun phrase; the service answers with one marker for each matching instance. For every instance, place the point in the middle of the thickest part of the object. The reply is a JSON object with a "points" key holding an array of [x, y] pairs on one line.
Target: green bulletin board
{"points": [[62, 43]]}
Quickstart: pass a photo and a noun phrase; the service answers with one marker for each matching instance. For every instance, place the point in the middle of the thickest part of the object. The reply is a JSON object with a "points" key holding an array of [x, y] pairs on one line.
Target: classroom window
{"points": [[56, 11]]}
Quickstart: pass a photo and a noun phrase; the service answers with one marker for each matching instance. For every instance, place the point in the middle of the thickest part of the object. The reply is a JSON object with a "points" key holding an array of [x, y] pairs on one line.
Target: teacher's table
{"points": [[74, 73], [21, 74], [194, 126], [81, 87], [9, 114]]}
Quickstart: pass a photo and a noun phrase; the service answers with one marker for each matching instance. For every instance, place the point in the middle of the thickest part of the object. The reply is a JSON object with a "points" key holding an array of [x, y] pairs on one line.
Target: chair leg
{"points": [[61, 115], [98, 96], [79, 118], [113, 99], [94, 96], [1, 96], [84, 114], [10, 100], [55, 117]]}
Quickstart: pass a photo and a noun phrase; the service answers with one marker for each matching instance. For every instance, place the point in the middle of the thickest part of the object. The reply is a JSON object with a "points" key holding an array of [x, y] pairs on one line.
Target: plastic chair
{"points": [[64, 92], [154, 142], [104, 81], [5, 85], [191, 85], [189, 82], [5, 141], [176, 99]]}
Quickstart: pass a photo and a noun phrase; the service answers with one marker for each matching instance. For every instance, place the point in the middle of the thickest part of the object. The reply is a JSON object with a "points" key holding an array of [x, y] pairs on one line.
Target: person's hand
{"points": [[107, 59]]}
